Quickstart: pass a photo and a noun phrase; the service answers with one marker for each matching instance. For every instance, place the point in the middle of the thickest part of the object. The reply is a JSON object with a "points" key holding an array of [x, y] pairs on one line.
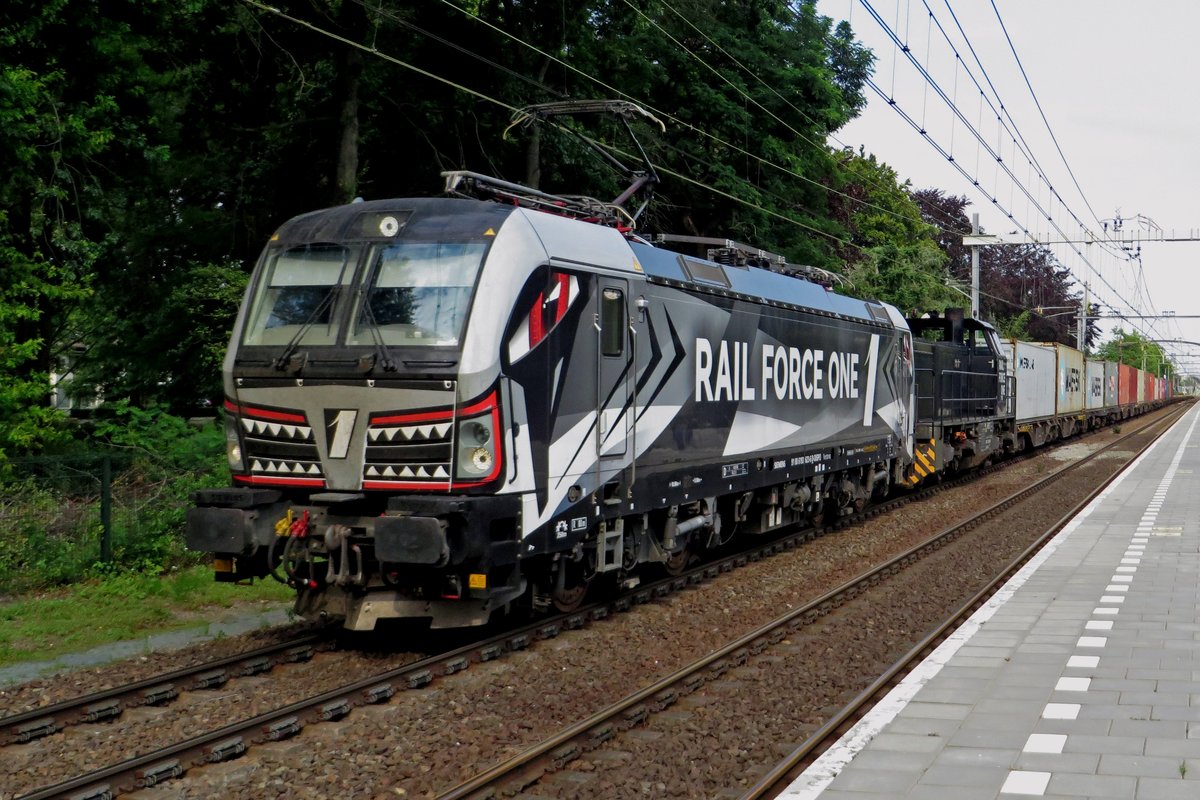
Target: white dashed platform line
{"points": [[822, 772], [1132, 558], [1061, 711], [813, 781], [1045, 743], [1024, 782]]}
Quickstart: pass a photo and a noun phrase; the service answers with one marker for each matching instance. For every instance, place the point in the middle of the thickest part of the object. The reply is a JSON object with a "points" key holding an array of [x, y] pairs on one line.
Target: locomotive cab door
{"points": [[614, 374]]}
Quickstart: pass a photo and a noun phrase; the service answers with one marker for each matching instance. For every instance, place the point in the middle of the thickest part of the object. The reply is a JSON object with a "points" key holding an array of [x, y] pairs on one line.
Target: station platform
{"points": [[1080, 678]]}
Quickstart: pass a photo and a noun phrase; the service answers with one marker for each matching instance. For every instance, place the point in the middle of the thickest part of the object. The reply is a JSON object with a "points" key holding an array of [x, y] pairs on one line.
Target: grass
{"points": [[120, 607]]}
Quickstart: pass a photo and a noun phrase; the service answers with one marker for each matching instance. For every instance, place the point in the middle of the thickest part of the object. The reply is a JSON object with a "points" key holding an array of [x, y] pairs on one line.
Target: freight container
{"points": [[1110, 384], [1127, 385], [1069, 367], [1095, 384], [1142, 380], [1034, 368]]}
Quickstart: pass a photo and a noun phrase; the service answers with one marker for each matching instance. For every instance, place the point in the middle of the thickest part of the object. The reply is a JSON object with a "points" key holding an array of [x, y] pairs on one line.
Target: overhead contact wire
{"points": [[481, 96], [957, 113]]}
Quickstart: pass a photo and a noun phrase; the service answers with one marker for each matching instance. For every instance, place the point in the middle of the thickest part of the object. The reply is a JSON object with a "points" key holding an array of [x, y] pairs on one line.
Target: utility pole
{"points": [[975, 268], [1081, 336]]}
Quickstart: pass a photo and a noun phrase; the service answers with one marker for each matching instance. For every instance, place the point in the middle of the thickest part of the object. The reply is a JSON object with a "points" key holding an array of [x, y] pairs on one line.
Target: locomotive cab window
{"points": [[993, 342], [981, 343], [298, 296], [612, 322], [419, 294]]}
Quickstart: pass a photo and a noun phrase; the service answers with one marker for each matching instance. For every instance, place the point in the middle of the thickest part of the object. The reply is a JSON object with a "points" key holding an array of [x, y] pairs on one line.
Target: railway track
{"points": [[234, 740], [530, 770], [109, 704]]}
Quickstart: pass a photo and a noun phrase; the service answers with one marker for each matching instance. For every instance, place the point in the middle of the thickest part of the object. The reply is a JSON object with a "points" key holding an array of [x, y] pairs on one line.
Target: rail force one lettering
{"points": [[729, 371]]}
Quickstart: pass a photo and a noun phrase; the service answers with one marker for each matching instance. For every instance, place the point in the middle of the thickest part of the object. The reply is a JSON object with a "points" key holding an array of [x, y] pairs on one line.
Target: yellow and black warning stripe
{"points": [[924, 463]]}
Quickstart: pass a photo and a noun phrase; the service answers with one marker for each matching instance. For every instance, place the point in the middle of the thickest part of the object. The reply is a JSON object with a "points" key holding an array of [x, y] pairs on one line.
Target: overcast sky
{"points": [[1117, 82]]}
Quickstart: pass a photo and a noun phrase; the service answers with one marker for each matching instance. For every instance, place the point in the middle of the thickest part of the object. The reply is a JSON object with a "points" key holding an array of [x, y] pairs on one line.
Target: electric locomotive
{"points": [[441, 408]]}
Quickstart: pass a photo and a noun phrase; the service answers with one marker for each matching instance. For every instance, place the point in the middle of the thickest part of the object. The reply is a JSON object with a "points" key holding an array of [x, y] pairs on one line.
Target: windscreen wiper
{"points": [[383, 356], [283, 361]]}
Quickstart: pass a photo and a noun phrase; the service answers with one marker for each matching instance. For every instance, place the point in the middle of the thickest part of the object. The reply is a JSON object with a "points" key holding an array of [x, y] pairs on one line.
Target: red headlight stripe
{"points": [[262, 413]]}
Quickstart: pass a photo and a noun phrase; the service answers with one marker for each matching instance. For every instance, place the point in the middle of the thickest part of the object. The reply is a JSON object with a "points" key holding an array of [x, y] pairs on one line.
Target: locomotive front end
{"points": [[368, 457]]}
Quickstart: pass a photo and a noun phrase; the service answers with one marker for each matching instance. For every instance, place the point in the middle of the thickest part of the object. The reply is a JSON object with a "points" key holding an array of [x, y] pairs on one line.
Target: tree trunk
{"points": [[353, 22], [533, 150], [346, 179]]}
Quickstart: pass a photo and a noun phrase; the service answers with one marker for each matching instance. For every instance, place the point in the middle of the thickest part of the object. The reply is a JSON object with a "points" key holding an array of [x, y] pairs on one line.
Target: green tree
{"points": [[1134, 349], [1024, 290], [46, 247], [895, 257], [153, 147]]}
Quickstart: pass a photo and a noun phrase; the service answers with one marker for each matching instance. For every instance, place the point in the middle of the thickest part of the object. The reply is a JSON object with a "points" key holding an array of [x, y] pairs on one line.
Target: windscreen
{"points": [[419, 294], [299, 294]]}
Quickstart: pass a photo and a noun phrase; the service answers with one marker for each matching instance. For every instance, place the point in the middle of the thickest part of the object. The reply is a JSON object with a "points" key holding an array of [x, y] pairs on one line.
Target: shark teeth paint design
{"points": [[435, 474], [434, 432], [276, 430], [272, 467]]}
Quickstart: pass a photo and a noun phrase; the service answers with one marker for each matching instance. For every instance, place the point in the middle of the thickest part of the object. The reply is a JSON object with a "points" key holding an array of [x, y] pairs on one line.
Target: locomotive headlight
{"points": [[233, 444], [476, 448], [477, 432], [481, 459]]}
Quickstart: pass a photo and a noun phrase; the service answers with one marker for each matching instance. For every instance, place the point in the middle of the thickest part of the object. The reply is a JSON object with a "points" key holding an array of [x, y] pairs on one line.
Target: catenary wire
{"points": [[677, 121], [481, 96], [1015, 133], [757, 77], [374, 51], [958, 114]]}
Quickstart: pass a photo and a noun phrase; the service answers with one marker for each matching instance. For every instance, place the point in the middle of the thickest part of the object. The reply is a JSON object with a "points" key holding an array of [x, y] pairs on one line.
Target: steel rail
{"points": [[108, 704]]}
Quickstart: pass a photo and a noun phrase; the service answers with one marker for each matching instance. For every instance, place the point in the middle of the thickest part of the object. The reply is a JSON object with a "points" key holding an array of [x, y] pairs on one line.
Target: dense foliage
{"points": [[151, 147]]}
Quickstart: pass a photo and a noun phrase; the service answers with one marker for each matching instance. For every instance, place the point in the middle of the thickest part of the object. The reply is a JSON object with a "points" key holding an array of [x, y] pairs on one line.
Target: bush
{"points": [[46, 537], [50, 526]]}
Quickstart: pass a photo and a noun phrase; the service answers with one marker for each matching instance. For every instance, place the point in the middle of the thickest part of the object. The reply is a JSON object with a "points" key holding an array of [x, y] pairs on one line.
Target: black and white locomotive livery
{"points": [[438, 408]]}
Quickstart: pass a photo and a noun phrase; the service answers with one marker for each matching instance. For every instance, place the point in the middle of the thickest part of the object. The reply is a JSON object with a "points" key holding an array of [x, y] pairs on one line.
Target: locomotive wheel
{"points": [[568, 599], [677, 562], [570, 587]]}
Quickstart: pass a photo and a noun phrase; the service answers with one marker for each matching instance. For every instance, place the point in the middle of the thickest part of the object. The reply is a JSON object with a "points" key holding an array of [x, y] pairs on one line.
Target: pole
{"points": [[1081, 335], [106, 553], [975, 269]]}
